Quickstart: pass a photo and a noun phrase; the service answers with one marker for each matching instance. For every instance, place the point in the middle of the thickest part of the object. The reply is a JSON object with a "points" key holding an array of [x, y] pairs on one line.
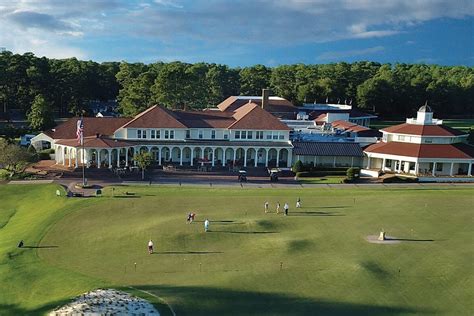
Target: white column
{"points": [[192, 156], [417, 168], [266, 157], [213, 156], [69, 150], [469, 169], [290, 158], [118, 157], [399, 166], [202, 153], [334, 162], [109, 154], [352, 161], [383, 164], [245, 157], [256, 157], [235, 155], [451, 170], [76, 156], [434, 169], [126, 157], [135, 151], [98, 158], [368, 162], [159, 155], [278, 158], [180, 156]]}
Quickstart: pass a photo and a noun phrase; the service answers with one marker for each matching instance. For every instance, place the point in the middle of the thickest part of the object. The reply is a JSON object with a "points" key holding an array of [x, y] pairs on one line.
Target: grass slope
{"points": [[314, 261]]}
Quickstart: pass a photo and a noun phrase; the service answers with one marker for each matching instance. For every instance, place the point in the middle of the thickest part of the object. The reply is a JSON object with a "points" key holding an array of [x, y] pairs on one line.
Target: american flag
{"points": [[80, 132]]}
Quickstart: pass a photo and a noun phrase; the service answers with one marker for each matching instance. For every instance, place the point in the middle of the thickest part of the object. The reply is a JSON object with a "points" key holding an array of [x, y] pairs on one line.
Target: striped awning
{"points": [[327, 149]]}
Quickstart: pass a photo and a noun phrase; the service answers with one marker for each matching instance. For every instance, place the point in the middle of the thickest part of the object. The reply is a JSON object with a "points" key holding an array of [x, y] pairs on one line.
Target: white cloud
{"points": [[218, 23]]}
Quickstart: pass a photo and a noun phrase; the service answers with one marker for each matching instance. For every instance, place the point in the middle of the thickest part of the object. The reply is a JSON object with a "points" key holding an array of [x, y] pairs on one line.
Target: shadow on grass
{"points": [[407, 239], [375, 269], [15, 310], [189, 300], [37, 247], [127, 196], [186, 252], [223, 222], [241, 232], [315, 213]]}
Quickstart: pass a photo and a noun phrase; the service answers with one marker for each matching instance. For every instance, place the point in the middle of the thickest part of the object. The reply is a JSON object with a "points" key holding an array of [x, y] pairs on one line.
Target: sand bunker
{"points": [[106, 302]]}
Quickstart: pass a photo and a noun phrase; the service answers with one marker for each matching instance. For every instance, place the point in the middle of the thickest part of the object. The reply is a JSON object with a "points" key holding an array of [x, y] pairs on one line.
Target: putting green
{"points": [[314, 261]]}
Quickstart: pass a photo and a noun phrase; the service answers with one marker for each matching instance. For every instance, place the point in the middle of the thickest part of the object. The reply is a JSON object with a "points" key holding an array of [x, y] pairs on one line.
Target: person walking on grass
{"points": [[266, 206], [298, 203], [285, 208], [206, 225], [150, 247], [278, 208]]}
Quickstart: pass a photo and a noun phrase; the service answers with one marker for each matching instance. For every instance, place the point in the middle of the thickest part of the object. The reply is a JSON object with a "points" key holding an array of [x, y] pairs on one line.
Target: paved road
{"points": [[257, 183]]}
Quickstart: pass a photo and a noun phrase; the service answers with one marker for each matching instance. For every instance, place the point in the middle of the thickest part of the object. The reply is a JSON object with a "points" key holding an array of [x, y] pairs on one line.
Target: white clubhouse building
{"points": [[421, 147], [243, 136]]}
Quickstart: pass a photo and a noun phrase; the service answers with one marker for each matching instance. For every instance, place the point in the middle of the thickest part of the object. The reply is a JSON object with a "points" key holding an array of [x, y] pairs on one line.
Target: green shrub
{"points": [[353, 174], [48, 151], [307, 174], [400, 179], [31, 149], [44, 156], [297, 167]]}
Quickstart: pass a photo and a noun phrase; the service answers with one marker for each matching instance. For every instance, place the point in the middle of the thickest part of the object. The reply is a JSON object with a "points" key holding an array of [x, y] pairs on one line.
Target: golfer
{"points": [[285, 208], [206, 225], [298, 203], [150, 247], [266, 206], [278, 207]]}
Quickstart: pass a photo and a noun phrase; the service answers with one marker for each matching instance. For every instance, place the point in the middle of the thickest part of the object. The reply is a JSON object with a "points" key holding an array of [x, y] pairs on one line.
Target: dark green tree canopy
{"points": [[390, 90]]}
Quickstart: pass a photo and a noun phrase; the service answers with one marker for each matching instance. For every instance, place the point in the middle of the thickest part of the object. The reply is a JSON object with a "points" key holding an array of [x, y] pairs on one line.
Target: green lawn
{"points": [[314, 261], [322, 180]]}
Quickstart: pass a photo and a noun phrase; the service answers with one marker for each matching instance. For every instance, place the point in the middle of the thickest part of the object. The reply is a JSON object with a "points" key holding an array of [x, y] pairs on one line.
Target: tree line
{"points": [[42, 87]]}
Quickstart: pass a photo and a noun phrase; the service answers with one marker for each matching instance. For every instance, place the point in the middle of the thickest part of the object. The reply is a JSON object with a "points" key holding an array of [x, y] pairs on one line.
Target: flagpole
{"points": [[83, 153]]}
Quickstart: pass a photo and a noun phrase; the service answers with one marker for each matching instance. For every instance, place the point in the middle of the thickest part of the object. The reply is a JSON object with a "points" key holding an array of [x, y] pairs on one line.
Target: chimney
{"points": [[265, 97]]}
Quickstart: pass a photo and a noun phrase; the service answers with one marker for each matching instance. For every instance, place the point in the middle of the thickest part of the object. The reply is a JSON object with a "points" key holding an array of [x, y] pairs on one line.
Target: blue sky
{"points": [[242, 32]]}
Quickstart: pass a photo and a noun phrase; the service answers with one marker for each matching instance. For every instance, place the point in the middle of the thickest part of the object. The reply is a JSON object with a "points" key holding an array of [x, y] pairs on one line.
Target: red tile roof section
{"points": [[92, 126], [423, 130], [274, 106], [205, 119], [252, 116], [95, 142], [348, 126], [155, 117], [450, 151]]}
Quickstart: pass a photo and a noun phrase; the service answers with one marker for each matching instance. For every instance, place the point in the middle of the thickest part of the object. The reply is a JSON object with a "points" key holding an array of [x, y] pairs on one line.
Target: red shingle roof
{"points": [[450, 151], [92, 126], [205, 119], [274, 105], [155, 117], [252, 116], [95, 142], [423, 130], [348, 126]]}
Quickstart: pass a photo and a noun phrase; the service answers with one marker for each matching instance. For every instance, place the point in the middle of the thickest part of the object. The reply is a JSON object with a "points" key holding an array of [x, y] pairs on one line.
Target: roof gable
{"points": [[92, 126], [155, 117], [423, 130], [251, 116]]}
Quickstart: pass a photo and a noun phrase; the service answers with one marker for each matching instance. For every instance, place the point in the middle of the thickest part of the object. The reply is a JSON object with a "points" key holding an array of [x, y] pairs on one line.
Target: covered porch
{"points": [[420, 167]]}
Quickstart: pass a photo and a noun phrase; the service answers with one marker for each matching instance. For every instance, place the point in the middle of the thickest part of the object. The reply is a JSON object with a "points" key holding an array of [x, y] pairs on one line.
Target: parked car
{"points": [[242, 176]]}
